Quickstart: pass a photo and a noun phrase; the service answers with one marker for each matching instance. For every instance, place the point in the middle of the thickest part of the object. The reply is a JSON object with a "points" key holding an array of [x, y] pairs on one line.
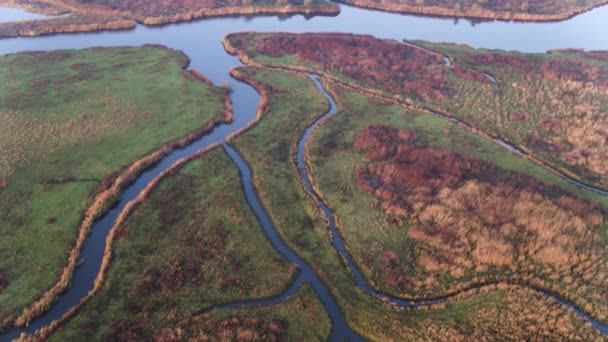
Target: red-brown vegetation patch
{"points": [[472, 216], [542, 68], [519, 63], [599, 55], [575, 70], [389, 65], [80, 66], [553, 125], [470, 74]]}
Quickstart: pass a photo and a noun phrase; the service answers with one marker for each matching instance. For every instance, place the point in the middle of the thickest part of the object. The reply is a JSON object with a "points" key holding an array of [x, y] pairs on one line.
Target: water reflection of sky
{"points": [[13, 14]]}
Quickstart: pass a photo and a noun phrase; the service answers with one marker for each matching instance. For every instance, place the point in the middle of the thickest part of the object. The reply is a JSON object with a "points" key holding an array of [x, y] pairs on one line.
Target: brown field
{"points": [[473, 215], [520, 10]]}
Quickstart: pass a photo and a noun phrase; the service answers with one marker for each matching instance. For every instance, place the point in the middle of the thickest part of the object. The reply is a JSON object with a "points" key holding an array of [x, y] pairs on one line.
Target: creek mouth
{"points": [[340, 246], [201, 41]]}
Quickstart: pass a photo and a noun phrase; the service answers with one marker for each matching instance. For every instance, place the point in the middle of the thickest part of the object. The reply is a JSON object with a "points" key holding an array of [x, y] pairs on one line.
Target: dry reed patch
{"points": [[74, 22], [472, 218], [560, 102], [503, 314]]}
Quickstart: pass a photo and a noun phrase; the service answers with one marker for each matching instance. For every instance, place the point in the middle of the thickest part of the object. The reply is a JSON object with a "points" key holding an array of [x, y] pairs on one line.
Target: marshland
{"points": [[400, 224]]}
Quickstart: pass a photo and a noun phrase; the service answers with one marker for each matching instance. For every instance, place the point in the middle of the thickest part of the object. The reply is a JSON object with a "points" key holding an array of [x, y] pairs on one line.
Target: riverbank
{"points": [[93, 17]]}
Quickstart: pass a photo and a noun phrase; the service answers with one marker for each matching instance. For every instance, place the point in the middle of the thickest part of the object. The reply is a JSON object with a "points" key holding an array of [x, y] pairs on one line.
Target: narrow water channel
{"points": [[201, 41], [340, 330]]}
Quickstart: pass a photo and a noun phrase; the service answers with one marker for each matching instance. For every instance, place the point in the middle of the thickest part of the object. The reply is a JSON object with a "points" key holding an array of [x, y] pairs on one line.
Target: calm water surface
{"points": [[13, 14]]}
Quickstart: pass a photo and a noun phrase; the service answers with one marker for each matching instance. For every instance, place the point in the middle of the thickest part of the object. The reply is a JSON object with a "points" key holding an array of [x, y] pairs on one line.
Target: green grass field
{"points": [[193, 244], [69, 120]]}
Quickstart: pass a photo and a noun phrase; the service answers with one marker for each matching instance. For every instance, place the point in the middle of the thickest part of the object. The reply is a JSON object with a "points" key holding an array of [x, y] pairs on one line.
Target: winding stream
{"points": [[200, 40]]}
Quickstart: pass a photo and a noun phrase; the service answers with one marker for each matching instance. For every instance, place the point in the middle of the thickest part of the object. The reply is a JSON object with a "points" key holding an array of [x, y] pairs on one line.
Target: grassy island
{"points": [[77, 125]]}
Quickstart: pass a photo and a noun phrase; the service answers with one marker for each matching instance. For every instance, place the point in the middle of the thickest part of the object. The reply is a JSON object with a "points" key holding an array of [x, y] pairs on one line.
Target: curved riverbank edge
{"points": [[117, 229], [483, 284], [50, 26], [477, 14], [407, 103], [228, 108], [101, 203], [118, 21]]}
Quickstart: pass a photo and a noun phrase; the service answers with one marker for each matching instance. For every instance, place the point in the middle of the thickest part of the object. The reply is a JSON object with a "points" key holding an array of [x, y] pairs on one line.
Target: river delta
{"points": [[309, 140]]}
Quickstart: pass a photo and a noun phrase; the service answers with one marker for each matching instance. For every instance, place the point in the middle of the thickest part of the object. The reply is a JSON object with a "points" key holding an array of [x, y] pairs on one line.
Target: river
{"points": [[201, 41]]}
